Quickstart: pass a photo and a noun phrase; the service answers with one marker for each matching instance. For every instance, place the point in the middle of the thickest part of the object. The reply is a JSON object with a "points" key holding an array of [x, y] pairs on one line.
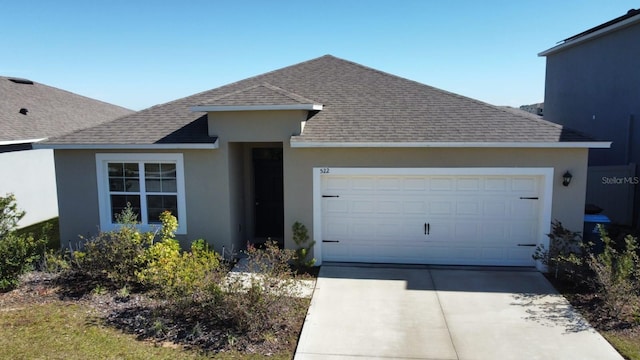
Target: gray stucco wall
{"points": [[594, 87], [568, 202], [206, 186]]}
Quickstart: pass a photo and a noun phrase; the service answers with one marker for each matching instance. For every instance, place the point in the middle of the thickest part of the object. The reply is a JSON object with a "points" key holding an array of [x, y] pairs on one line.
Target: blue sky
{"points": [[140, 53]]}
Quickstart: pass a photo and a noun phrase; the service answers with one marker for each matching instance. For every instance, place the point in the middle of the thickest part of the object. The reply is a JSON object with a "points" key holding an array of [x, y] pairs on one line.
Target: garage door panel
{"points": [[361, 206], [495, 208], [524, 184], [415, 184], [335, 206], [439, 184], [472, 219], [523, 208], [468, 207], [468, 184], [389, 207], [389, 184], [496, 184], [415, 207]]}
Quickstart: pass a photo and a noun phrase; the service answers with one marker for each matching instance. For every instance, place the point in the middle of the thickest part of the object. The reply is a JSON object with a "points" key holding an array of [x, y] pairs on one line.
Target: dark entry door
{"points": [[268, 189]]}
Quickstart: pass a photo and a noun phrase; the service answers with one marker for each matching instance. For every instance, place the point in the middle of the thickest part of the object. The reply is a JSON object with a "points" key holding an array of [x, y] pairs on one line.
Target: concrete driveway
{"points": [[360, 312]]}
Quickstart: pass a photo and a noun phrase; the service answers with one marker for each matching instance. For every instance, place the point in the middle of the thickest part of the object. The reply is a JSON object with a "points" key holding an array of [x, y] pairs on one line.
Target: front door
{"points": [[268, 189]]}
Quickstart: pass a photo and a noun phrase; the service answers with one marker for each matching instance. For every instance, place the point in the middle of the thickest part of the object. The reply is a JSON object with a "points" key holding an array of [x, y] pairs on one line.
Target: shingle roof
{"points": [[361, 104], [48, 111], [263, 94]]}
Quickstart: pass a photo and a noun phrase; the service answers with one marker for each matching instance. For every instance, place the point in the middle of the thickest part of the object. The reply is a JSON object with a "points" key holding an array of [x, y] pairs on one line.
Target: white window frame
{"points": [[104, 199]]}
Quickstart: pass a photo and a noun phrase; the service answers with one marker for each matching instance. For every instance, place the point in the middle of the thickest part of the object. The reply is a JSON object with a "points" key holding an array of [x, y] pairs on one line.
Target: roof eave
{"points": [[220, 108], [428, 144], [23, 141], [595, 34], [172, 146]]}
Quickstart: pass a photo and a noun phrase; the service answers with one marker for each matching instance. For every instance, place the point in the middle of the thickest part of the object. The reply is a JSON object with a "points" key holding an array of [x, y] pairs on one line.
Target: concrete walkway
{"points": [[360, 312]]}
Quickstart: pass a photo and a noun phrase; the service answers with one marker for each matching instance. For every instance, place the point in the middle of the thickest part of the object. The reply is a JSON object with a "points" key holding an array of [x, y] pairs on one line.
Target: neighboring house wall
{"points": [[594, 87], [30, 176]]}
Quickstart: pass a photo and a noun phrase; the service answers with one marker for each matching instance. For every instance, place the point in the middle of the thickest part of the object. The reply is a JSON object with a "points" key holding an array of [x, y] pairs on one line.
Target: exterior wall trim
{"points": [[595, 34], [550, 145], [221, 108], [25, 141], [175, 146]]}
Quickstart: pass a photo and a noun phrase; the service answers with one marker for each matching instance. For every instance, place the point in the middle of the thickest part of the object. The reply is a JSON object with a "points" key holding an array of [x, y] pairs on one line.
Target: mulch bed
{"points": [[136, 313], [590, 306]]}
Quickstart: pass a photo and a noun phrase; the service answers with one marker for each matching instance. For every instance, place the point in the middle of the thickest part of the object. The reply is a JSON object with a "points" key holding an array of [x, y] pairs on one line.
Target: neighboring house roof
{"points": [[30, 111], [352, 104], [630, 18]]}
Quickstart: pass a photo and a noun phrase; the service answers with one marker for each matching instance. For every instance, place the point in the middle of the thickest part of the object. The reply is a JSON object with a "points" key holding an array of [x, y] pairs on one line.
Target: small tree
{"points": [[9, 214], [301, 238], [18, 252]]}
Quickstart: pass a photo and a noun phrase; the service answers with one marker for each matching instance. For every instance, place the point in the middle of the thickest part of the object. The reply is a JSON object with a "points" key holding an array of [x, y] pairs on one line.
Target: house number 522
{"points": [[324, 171]]}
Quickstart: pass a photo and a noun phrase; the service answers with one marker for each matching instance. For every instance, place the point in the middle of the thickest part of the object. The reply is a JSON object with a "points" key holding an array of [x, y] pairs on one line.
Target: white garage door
{"points": [[431, 219]]}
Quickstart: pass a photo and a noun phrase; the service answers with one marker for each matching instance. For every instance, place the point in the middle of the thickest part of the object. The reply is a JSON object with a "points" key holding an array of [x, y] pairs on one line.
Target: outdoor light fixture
{"points": [[566, 178]]}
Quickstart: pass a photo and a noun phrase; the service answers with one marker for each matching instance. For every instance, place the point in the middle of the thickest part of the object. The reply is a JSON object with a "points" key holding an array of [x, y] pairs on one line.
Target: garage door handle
{"points": [[532, 245], [427, 228], [330, 241]]}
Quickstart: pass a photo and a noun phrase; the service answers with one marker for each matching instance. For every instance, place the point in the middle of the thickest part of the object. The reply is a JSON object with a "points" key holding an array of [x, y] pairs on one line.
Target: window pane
{"points": [[152, 170], [169, 185], [116, 184], [132, 185], [119, 203], [156, 204], [160, 177], [116, 169], [131, 170], [153, 185], [168, 170]]}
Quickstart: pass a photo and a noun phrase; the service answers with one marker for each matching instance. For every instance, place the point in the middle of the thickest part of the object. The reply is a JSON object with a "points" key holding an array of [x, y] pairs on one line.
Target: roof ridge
{"points": [[289, 94], [231, 84]]}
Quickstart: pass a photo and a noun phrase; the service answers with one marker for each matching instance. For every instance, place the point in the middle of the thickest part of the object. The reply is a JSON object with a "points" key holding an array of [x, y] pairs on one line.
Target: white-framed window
{"points": [[150, 183]]}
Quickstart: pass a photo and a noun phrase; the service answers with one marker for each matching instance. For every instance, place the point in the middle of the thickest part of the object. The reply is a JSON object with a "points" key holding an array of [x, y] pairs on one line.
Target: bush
{"points": [[114, 258], [19, 253], [617, 276], [175, 274], [262, 303], [566, 256], [300, 237], [9, 214]]}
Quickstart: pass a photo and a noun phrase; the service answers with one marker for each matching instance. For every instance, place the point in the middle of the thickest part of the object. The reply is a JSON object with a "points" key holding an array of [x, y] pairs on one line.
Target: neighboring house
{"points": [[379, 169], [537, 109], [593, 85], [29, 113]]}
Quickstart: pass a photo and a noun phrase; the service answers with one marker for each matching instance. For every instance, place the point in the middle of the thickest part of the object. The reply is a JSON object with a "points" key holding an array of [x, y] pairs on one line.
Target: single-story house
{"points": [[31, 112], [378, 168]]}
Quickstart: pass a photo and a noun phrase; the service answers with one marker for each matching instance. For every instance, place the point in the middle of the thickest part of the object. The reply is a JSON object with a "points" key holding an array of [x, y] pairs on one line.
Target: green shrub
{"points": [[301, 237], [263, 302], [19, 253], [55, 261], [566, 256], [617, 275], [115, 257], [9, 214], [175, 274]]}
